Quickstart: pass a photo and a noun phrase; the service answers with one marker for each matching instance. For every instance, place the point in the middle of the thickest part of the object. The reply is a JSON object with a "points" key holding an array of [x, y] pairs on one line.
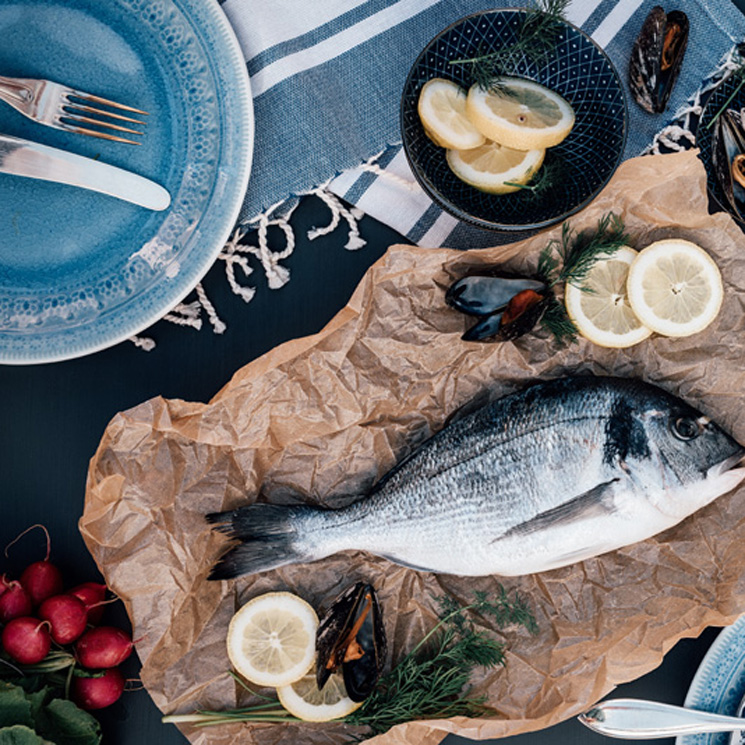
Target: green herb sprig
{"points": [[535, 40], [544, 180], [737, 74], [432, 681], [570, 260]]}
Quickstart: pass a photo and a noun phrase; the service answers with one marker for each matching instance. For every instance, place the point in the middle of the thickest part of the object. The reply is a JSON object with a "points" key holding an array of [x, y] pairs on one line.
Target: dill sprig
{"points": [[544, 180], [570, 260], [535, 40], [432, 681], [737, 74]]}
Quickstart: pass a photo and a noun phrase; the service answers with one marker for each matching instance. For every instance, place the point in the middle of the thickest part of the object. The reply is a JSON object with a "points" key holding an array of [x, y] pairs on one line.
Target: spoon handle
{"points": [[634, 719]]}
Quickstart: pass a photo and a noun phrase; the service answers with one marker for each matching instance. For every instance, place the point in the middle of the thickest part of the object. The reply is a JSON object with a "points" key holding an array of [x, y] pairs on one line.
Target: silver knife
{"points": [[30, 159]]}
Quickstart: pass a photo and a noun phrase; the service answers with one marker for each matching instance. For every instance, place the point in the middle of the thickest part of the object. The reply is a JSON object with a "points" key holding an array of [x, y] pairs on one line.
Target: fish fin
{"points": [[406, 564], [593, 503], [270, 537]]}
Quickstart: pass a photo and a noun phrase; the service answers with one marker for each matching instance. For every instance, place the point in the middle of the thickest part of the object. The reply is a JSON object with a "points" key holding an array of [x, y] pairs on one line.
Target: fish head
{"points": [[694, 459]]}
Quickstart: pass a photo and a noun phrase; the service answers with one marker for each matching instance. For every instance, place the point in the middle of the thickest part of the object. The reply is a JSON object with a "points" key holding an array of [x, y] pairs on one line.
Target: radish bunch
{"points": [[38, 617]]}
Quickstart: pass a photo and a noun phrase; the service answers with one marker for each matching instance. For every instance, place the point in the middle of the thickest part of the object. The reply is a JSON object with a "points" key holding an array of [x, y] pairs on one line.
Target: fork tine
{"points": [[105, 101], [91, 110], [107, 125], [93, 133]]}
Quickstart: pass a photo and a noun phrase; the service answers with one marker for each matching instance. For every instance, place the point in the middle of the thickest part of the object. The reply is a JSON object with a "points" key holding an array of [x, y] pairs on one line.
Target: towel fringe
{"points": [[671, 136], [236, 251]]}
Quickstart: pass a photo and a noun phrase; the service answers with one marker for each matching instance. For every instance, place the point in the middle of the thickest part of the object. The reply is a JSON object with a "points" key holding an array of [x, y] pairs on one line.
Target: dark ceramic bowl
{"points": [[576, 69], [718, 98]]}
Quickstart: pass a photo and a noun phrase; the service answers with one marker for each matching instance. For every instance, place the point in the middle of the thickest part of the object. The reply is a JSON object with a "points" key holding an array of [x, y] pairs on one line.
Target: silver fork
{"points": [[54, 105]]}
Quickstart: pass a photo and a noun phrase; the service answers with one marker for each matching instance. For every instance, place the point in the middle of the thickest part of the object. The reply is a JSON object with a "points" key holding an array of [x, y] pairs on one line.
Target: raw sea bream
{"points": [[557, 473]]}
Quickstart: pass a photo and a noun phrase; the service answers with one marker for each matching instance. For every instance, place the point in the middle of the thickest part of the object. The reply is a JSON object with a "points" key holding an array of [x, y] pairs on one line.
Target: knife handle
{"points": [[635, 719]]}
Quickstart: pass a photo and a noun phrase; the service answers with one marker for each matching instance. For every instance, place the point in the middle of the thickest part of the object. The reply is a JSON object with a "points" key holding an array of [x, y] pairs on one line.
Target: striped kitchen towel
{"points": [[327, 77]]}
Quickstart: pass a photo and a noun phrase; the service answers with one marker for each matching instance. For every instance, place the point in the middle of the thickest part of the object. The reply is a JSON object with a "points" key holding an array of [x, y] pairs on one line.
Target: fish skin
{"points": [[554, 474]]}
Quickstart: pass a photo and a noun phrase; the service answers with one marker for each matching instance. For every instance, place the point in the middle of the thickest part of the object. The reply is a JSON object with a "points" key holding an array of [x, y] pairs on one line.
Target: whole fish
{"points": [[543, 478]]}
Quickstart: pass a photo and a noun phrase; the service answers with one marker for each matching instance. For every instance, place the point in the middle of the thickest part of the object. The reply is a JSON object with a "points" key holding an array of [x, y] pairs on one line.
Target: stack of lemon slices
{"points": [[496, 139], [272, 642], [672, 287]]}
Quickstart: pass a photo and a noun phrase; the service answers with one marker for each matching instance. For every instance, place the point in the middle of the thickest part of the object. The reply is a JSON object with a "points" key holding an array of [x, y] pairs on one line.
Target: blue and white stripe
{"points": [[327, 78]]}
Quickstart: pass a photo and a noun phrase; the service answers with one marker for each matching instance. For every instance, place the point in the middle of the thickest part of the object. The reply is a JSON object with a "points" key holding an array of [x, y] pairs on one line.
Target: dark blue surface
{"points": [[52, 418]]}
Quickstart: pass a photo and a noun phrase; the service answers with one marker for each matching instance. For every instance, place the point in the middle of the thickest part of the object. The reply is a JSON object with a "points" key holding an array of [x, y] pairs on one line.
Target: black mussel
{"points": [[519, 317], [480, 295], [657, 57], [727, 145], [351, 635]]}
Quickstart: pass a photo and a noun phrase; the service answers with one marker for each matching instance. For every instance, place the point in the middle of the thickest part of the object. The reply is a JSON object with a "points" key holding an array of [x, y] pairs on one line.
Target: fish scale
{"points": [[545, 477]]}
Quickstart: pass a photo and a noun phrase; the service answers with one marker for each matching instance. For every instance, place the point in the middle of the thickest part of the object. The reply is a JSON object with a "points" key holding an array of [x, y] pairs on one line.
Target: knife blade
{"points": [[20, 157]]}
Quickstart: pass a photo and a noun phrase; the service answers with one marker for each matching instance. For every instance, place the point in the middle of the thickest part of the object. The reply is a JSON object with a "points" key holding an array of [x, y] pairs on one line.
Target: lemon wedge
{"points": [[305, 701], [442, 109], [272, 639], [675, 288], [600, 307], [520, 114], [494, 168]]}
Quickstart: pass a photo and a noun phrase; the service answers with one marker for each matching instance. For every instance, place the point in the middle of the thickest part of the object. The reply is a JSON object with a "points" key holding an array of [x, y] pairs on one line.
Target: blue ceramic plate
{"points": [[80, 271], [719, 683], [717, 99], [577, 69]]}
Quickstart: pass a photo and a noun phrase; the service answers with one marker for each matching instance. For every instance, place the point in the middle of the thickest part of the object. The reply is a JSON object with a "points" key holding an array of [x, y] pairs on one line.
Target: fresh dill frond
{"points": [[535, 40], [581, 252], [737, 74], [432, 681], [545, 178], [556, 321]]}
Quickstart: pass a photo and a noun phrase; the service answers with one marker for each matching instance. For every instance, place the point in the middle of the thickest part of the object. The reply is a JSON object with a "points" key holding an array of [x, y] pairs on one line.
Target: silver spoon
{"points": [[635, 719]]}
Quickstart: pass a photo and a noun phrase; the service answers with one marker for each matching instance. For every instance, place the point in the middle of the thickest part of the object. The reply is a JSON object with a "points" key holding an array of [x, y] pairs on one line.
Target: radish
{"points": [[41, 579], [26, 640], [4, 583], [103, 647], [67, 617], [93, 595], [14, 602], [98, 692]]}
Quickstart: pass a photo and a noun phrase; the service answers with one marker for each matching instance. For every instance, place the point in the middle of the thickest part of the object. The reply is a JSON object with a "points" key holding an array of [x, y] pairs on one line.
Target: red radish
{"points": [[67, 617], [92, 594], [96, 693], [4, 583], [41, 579], [103, 647], [26, 640], [14, 602]]}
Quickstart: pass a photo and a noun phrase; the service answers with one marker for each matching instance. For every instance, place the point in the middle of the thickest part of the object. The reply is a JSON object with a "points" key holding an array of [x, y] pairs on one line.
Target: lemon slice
{"points": [[305, 701], [600, 309], [442, 109], [272, 639], [520, 114], [494, 168], [675, 288]]}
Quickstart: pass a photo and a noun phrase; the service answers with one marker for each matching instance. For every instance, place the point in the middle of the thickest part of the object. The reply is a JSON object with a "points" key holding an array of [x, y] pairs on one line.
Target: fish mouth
{"points": [[728, 464]]}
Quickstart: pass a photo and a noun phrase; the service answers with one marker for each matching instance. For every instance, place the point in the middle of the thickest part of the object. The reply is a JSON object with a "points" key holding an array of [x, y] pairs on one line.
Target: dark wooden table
{"points": [[52, 418]]}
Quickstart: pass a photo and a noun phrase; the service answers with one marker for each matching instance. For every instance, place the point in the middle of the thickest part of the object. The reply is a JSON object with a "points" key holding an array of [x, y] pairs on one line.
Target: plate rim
{"points": [[441, 202], [246, 114], [735, 630]]}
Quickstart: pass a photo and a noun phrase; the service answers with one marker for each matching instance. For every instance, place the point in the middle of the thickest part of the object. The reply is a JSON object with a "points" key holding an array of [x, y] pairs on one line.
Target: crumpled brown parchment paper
{"points": [[320, 419]]}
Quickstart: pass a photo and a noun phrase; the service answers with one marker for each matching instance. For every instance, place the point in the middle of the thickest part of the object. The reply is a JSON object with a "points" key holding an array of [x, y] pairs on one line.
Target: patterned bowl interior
{"points": [[577, 69], [717, 99]]}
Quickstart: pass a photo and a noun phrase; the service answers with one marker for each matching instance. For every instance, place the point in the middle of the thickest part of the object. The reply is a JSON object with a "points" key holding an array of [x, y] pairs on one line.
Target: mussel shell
{"points": [[727, 142], [482, 295], [657, 57], [519, 317], [360, 675]]}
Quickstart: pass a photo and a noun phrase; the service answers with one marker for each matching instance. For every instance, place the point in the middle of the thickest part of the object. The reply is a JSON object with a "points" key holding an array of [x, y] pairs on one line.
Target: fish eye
{"points": [[685, 428]]}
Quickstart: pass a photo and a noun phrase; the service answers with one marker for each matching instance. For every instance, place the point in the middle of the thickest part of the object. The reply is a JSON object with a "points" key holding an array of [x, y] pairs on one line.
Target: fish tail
{"points": [[270, 536]]}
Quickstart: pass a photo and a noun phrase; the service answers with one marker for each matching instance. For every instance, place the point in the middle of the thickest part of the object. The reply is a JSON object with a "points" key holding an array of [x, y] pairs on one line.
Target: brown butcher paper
{"points": [[320, 419]]}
